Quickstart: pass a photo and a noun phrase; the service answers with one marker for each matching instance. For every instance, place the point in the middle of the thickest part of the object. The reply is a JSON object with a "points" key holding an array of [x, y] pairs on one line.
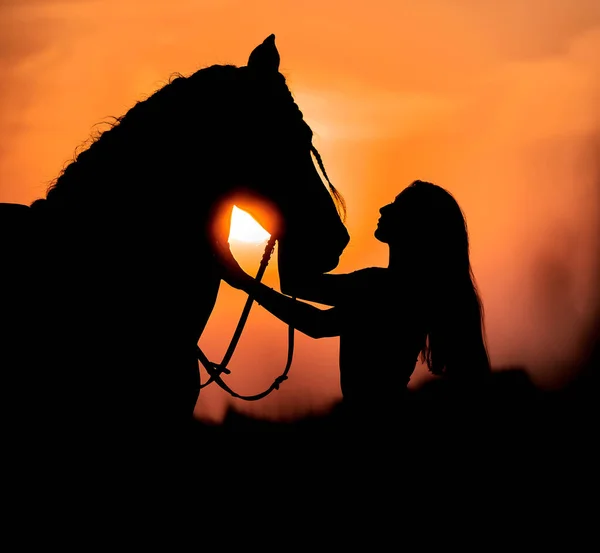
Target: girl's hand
{"points": [[231, 272]]}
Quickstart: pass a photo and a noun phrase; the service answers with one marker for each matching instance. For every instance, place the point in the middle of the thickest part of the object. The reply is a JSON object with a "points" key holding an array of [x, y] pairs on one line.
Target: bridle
{"points": [[215, 370]]}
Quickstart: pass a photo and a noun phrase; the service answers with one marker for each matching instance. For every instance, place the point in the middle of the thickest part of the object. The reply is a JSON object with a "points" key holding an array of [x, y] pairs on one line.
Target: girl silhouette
{"points": [[425, 303]]}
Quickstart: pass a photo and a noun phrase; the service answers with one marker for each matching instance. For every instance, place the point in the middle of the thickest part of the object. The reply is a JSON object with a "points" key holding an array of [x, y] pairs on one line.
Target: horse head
{"points": [[220, 136], [275, 174]]}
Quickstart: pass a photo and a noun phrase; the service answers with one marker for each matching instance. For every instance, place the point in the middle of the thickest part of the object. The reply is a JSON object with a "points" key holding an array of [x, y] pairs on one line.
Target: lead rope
{"points": [[216, 369]]}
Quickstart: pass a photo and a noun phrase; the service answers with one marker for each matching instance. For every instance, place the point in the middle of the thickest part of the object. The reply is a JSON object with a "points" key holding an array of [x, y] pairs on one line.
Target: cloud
{"points": [[358, 111], [25, 34]]}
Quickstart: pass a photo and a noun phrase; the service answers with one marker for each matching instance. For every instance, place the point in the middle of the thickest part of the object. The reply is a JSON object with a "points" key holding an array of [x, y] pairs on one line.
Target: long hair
{"points": [[455, 344]]}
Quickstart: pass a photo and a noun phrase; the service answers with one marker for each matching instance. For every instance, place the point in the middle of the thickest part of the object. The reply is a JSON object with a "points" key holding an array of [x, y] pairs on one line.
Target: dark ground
{"points": [[511, 412], [516, 467], [510, 426], [509, 467], [499, 466]]}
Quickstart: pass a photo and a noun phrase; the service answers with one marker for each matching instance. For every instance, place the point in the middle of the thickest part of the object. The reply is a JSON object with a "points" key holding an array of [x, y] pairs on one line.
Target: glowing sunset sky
{"points": [[496, 101]]}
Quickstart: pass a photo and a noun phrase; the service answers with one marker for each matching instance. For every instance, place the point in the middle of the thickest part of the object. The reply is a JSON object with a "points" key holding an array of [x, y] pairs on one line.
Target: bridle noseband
{"points": [[215, 370]]}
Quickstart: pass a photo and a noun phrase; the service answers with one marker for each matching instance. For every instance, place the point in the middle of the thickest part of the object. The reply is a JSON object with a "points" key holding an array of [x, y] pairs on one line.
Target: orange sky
{"points": [[495, 101]]}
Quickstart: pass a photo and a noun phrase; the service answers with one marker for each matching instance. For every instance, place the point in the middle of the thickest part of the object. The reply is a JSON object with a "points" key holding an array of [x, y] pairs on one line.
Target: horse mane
{"points": [[143, 133], [109, 153]]}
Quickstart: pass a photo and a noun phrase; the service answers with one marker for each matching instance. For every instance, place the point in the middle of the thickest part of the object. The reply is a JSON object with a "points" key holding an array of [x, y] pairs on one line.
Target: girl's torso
{"points": [[381, 335]]}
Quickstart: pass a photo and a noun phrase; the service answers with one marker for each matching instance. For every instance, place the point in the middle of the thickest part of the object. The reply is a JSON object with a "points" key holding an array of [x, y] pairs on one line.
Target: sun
{"points": [[245, 229]]}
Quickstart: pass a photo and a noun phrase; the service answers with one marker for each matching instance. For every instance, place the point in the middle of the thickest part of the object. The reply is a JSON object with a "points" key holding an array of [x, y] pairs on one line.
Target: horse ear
{"points": [[265, 56]]}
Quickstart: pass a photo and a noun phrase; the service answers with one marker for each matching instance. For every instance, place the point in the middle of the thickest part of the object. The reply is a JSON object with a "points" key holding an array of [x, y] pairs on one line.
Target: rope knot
{"points": [[278, 381], [221, 369]]}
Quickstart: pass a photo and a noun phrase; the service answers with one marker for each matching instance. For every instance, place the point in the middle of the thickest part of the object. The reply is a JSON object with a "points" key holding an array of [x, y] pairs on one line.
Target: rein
{"points": [[216, 369]]}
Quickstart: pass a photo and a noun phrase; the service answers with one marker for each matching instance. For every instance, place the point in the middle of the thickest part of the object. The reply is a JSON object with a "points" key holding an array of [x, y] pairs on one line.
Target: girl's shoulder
{"points": [[378, 284], [370, 276], [374, 278]]}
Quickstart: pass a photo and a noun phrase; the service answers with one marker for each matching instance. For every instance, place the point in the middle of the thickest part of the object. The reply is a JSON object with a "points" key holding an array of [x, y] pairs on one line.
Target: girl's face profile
{"points": [[393, 217]]}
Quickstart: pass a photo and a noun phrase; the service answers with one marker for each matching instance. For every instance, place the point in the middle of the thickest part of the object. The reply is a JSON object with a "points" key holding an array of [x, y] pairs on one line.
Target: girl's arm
{"points": [[312, 321], [331, 289], [325, 288]]}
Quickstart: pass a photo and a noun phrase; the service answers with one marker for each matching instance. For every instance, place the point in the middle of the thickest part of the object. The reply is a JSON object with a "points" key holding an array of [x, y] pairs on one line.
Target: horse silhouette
{"points": [[110, 278]]}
